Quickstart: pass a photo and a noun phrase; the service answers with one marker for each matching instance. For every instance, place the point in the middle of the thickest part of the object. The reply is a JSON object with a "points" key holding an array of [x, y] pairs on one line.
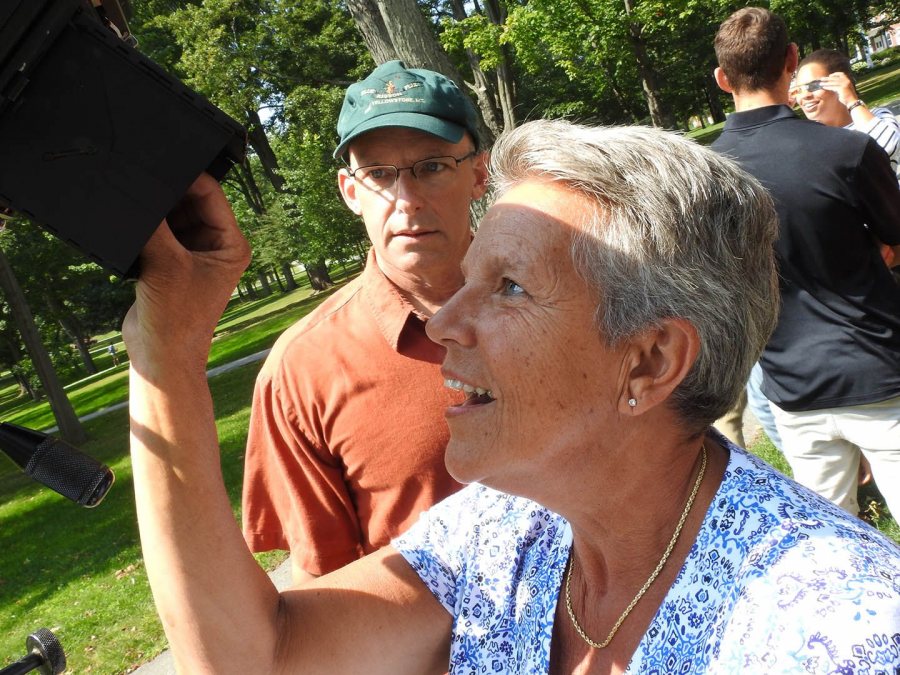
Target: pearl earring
{"points": [[632, 402]]}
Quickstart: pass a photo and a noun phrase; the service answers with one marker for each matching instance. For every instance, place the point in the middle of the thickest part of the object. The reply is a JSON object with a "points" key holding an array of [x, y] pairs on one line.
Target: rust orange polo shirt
{"points": [[347, 431]]}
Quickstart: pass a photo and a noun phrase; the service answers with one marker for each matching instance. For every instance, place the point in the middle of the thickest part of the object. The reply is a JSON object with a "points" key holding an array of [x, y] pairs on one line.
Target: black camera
{"points": [[97, 142]]}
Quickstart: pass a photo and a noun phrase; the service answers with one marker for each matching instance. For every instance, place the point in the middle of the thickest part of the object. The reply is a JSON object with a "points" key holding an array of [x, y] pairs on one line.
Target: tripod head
{"points": [[45, 655]]}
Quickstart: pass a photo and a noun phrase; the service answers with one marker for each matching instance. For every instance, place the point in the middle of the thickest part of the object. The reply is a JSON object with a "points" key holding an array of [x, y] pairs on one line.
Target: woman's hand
{"points": [[841, 85], [188, 270]]}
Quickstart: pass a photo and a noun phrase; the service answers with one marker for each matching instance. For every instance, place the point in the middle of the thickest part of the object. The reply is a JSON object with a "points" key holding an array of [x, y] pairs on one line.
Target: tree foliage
{"points": [[279, 67]]}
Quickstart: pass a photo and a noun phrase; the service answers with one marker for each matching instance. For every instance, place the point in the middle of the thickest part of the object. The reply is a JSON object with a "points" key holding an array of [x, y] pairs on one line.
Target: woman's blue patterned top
{"points": [[778, 581]]}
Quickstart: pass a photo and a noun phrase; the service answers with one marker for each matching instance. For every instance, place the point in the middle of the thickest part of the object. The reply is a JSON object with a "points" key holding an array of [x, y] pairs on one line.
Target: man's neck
{"points": [[426, 296], [758, 99]]}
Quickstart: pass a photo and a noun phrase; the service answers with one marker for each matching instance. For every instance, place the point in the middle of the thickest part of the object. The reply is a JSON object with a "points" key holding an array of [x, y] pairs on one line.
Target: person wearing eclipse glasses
{"points": [[825, 91]]}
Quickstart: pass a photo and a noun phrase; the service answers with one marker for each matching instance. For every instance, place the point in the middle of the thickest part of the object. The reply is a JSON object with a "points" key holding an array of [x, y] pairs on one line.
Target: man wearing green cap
{"points": [[347, 435]]}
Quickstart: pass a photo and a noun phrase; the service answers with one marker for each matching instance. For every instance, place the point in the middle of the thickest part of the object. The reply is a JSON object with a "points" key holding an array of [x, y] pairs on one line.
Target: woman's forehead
{"points": [[810, 71], [532, 221]]}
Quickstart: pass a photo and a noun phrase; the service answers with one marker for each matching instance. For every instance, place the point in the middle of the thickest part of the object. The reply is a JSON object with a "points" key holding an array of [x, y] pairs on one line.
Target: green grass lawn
{"points": [[244, 330], [79, 571]]}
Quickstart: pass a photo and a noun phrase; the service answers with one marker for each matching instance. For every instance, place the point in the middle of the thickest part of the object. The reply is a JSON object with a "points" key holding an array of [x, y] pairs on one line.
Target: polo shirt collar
{"points": [[756, 117], [390, 308]]}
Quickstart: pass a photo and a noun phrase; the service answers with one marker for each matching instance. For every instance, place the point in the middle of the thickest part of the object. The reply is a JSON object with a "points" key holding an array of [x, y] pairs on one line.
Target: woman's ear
{"points": [[658, 361]]}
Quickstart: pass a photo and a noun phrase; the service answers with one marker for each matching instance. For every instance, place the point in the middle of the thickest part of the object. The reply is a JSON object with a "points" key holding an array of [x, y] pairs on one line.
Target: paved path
{"points": [[212, 372]]}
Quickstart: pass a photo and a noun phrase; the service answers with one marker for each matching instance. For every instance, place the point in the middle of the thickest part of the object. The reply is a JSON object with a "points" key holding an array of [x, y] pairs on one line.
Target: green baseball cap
{"points": [[397, 96]]}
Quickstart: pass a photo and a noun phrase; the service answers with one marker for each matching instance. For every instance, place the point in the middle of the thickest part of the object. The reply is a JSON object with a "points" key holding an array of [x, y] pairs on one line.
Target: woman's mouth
{"points": [[475, 395]]}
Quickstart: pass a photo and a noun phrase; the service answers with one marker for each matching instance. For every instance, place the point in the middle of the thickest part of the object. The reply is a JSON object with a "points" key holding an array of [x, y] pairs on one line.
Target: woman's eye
{"points": [[510, 287]]}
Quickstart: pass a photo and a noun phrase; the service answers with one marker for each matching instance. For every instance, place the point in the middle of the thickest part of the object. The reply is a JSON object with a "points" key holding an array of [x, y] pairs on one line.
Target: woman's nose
{"points": [[452, 322]]}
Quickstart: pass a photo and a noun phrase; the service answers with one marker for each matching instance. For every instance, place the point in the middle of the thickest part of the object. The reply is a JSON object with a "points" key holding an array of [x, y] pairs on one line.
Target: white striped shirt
{"points": [[886, 131]]}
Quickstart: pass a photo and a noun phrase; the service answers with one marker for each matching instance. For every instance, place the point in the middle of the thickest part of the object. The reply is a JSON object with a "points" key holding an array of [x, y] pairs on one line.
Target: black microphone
{"points": [[56, 464]]}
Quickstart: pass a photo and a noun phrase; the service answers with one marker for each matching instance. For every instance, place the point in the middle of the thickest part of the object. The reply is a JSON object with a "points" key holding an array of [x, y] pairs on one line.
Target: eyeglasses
{"points": [[432, 172], [811, 86]]}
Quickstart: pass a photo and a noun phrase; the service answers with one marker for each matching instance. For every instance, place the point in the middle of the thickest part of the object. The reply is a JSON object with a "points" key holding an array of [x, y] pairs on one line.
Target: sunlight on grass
{"points": [[257, 333], [79, 572]]}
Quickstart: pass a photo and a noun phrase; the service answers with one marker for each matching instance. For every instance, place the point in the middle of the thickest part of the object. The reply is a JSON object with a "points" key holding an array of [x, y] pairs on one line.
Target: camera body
{"points": [[97, 142]]}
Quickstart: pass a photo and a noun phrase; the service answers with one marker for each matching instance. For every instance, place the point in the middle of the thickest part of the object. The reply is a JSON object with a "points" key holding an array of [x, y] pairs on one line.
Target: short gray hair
{"points": [[678, 231]]}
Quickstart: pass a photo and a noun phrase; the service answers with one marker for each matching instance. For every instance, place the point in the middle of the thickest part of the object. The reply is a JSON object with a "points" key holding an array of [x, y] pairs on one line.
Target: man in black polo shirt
{"points": [[832, 366]]}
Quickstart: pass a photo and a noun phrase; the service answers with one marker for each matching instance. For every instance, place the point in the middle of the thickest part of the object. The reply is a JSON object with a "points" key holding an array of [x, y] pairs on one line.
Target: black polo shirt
{"points": [[837, 342]]}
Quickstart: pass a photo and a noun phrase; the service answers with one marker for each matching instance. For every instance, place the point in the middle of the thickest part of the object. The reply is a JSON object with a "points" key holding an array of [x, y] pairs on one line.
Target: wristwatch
{"points": [[856, 103]]}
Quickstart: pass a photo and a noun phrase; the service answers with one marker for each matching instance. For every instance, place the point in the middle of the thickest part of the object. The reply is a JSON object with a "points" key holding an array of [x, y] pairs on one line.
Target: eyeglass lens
{"points": [[430, 171], [811, 86]]}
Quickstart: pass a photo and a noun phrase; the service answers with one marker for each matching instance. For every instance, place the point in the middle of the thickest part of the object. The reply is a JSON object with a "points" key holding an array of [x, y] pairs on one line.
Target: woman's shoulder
{"points": [[477, 509], [782, 525], [793, 577]]}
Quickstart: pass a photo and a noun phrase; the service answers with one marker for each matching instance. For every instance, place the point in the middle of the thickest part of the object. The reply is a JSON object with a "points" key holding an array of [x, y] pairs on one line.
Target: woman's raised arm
{"points": [[220, 611]]}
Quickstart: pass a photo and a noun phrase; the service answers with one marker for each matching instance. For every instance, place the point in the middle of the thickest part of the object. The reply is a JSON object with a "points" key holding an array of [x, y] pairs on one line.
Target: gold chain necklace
{"points": [[659, 566]]}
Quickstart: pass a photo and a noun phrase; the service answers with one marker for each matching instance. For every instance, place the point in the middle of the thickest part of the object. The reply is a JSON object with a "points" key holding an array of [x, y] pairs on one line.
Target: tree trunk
{"points": [[371, 26], [81, 344], [256, 134], [25, 387], [712, 99], [483, 88], [288, 275], [404, 32], [413, 38], [73, 329], [319, 279], [246, 183], [277, 278], [266, 289], [620, 97], [506, 89], [488, 101], [70, 428], [659, 113]]}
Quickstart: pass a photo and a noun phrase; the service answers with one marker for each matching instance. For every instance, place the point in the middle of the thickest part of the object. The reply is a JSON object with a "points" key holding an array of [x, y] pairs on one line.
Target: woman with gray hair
{"points": [[617, 293]]}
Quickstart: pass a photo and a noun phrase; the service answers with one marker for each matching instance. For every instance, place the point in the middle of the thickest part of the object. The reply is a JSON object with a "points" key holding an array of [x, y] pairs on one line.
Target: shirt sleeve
{"points": [[885, 129], [294, 494], [879, 194], [434, 546]]}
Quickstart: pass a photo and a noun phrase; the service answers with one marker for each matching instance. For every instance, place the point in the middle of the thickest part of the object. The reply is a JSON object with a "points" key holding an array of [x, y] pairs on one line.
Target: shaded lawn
{"points": [[252, 335], [79, 571]]}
